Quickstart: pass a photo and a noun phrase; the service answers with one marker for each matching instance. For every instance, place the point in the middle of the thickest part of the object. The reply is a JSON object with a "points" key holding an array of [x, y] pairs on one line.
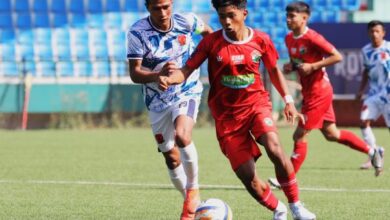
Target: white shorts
{"points": [[373, 108], [163, 122]]}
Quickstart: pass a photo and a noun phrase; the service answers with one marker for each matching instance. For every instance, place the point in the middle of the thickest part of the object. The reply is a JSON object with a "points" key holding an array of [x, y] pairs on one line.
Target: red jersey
{"points": [[310, 47], [236, 86]]}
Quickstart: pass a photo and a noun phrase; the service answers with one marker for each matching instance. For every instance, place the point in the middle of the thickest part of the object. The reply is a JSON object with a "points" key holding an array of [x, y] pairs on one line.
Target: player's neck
{"points": [[300, 31], [239, 35], [377, 44], [162, 26]]}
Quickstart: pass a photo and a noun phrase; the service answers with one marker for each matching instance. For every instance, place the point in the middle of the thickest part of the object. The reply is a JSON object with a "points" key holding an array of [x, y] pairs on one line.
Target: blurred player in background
{"points": [[309, 54], [376, 74], [240, 104], [153, 41]]}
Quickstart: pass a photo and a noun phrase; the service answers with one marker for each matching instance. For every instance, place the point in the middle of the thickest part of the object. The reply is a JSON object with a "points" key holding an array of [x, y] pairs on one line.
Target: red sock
{"points": [[298, 155], [290, 187], [268, 199], [350, 139]]}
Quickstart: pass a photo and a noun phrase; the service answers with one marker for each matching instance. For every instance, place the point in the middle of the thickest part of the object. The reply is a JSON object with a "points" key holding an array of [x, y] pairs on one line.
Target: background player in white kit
{"points": [[376, 56], [153, 41]]}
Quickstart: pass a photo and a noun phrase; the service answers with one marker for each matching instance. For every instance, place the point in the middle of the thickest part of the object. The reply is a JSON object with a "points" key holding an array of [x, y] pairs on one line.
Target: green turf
{"points": [[118, 174]]}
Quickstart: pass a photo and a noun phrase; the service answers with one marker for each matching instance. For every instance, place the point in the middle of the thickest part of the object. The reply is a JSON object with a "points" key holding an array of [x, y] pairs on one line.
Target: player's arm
{"points": [[139, 75], [363, 84], [334, 57], [206, 30], [172, 75]]}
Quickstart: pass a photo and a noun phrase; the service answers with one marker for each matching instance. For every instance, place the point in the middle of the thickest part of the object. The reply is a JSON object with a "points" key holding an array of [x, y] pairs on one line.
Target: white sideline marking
{"points": [[152, 185]]}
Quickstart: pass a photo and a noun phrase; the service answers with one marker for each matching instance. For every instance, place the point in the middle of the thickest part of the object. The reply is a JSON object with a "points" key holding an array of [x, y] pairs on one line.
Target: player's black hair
{"points": [[298, 6], [147, 3], [374, 23], [240, 4]]}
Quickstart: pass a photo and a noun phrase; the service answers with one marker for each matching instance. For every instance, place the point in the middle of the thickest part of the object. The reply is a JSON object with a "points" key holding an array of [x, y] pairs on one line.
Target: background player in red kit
{"points": [[309, 53], [240, 104]]}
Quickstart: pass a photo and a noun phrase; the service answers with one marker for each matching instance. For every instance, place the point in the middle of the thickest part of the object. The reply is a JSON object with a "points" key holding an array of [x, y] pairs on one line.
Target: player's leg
{"points": [[184, 116], [285, 174], [163, 131], [369, 138], [300, 147]]}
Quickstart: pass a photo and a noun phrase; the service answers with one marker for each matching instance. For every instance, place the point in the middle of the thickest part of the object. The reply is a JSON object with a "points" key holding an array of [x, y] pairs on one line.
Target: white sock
{"points": [[369, 137], [189, 158], [179, 179]]}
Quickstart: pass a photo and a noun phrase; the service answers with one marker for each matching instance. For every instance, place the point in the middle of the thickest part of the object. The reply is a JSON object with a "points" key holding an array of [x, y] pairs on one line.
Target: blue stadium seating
{"points": [[61, 36], [9, 69], [80, 52], [78, 20], [7, 51], [24, 52], [28, 67], [41, 20], [97, 36], [21, 6], [183, 6], [58, 6], [76, 6], [95, 6], [82, 68], [112, 20], [7, 35], [79, 37], [131, 5], [62, 52], [117, 51], [64, 68], [118, 68], [5, 21], [46, 69], [23, 21], [43, 52], [40, 6], [101, 68], [59, 20], [95, 20], [116, 36], [42, 35], [5, 6], [25, 37], [99, 52], [115, 6]]}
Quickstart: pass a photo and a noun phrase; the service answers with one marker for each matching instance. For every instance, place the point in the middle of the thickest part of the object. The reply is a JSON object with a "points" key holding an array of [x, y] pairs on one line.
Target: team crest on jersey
{"points": [[293, 50], [182, 39], [268, 121], [302, 50], [238, 59], [384, 55], [256, 56]]}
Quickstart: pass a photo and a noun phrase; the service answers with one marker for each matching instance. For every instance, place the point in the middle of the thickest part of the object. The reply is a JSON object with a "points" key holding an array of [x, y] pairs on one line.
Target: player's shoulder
{"points": [[213, 37], [184, 19], [387, 44], [313, 34], [141, 24], [261, 36], [366, 48]]}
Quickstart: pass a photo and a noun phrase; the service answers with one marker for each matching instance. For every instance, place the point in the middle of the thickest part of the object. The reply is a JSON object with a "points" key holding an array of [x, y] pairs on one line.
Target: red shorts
{"points": [[237, 137], [316, 111]]}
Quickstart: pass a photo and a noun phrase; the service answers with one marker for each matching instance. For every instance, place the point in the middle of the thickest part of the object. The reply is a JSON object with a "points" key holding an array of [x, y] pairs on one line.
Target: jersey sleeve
{"points": [[365, 59], [271, 56], [196, 24], [134, 45], [322, 44], [199, 55]]}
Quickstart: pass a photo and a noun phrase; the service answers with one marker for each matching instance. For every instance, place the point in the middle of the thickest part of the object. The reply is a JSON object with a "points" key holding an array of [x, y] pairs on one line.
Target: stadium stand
{"points": [[86, 38]]}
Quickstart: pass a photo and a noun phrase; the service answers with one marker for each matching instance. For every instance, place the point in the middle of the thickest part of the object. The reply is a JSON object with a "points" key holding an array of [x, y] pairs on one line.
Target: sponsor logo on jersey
{"points": [[293, 50], [159, 138], [239, 81], [182, 39], [268, 121], [238, 59], [256, 56]]}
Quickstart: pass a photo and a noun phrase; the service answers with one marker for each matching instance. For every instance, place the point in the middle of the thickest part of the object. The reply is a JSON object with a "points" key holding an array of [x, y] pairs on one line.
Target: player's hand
{"points": [[291, 114], [305, 68], [168, 68], [163, 82], [288, 68], [359, 96]]}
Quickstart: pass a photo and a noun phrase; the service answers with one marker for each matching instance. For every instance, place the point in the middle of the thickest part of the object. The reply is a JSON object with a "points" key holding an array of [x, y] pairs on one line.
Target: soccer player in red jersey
{"points": [[240, 104], [309, 53]]}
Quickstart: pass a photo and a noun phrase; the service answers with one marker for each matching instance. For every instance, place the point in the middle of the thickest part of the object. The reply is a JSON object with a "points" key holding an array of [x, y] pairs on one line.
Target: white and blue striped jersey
{"points": [[377, 62], [156, 47]]}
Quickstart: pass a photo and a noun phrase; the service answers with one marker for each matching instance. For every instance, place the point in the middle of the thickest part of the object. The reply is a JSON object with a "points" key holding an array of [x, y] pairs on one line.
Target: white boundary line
{"points": [[155, 185]]}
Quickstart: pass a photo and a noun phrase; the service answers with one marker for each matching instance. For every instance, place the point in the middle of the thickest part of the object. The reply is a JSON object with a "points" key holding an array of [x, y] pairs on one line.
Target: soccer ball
{"points": [[213, 209]]}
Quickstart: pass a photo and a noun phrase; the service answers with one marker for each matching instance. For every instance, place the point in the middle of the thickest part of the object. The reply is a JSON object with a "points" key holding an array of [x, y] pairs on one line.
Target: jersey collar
{"points": [[304, 32], [249, 38], [161, 31]]}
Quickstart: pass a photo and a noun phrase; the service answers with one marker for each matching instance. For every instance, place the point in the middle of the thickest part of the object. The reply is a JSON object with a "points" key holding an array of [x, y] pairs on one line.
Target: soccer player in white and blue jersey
{"points": [[376, 74], [151, 42]]}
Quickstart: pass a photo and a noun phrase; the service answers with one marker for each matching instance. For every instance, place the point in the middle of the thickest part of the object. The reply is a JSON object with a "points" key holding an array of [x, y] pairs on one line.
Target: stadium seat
{"points": [[251, 5], [7, 35], [101, 69], [23, 21], [331, 16], [58, 6], [315, 16], [76, 6], [42, 35], [5, 21], [129, 18], [79, 37], [25, 37], [64, 68], [116, 36], [5, 6], [99, 52], [40, 6], [80, 52], [115, 6], [59, 20], [183, 6], [61, 36], [43, 52], [131, 5], [350, 5], [21, 6], [119, 68], [112, 20], [27, 67], [97, 36], [62, 52], [24, 52], [95, 20], [82, 68], [78, 20], [263, 4], [202, 6], [95, 6], [46, 69], [9, 68], [41, 20], [117, 52], [7, 51]]}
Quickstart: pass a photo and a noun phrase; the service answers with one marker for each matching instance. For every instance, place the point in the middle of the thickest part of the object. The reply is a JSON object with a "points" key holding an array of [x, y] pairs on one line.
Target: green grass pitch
{"points": [[118, 174]]}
